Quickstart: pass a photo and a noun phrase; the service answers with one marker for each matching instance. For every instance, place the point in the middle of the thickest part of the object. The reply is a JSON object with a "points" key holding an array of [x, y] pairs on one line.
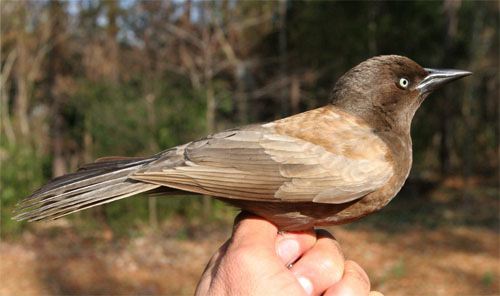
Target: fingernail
{"points": [[306, 284], [288, 250]]}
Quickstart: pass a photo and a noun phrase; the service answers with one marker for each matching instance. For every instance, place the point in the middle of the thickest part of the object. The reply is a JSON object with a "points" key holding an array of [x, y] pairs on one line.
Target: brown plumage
{"points": [[326, 166]]}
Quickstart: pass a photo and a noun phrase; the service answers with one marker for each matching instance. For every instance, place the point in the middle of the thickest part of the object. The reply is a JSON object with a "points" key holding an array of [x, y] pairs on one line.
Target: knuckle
{"points": [[242, 255]]}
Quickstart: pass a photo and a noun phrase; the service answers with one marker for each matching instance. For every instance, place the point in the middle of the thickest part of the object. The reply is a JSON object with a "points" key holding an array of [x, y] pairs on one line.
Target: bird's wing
{"points": [[267, 162]]}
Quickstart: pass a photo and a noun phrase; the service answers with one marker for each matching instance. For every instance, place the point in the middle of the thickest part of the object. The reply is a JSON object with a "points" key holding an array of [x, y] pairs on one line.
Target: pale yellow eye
{"points": [[404, 83]]}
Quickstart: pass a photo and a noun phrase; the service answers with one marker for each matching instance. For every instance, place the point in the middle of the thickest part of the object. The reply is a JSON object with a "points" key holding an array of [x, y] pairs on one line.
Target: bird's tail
{"points": [[103, 181]]}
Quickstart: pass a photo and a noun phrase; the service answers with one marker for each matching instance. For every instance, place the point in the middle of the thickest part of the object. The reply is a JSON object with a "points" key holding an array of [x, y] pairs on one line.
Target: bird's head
{"points": [[386, 91]]}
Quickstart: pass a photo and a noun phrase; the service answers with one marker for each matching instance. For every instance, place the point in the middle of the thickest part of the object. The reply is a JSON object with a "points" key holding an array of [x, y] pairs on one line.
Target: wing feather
{"points": [[259, 163]]}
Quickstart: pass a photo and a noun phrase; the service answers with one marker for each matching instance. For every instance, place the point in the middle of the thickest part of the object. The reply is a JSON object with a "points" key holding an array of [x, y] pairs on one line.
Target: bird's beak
{"points": [[436, 78]]}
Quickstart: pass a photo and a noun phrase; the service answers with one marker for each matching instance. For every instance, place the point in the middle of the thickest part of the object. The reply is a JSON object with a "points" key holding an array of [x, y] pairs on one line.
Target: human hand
{"points": [[257, 260]]}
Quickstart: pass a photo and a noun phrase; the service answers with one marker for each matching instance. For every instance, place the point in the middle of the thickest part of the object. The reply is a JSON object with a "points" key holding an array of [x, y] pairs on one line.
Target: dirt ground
{"points": [[403, 249]]}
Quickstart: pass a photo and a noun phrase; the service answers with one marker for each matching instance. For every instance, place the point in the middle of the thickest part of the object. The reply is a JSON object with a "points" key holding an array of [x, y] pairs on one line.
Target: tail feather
{"points": [[78, 198], [85, 175], [94, 184], [78, 185], [80, 203]]}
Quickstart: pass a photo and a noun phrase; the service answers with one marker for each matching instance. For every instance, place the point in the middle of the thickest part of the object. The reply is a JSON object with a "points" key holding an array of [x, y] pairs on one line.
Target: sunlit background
{"points": [[86, 79]]}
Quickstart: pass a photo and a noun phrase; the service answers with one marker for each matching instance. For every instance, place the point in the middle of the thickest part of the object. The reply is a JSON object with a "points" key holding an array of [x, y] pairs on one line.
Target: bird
{"points": [[326, 166]]}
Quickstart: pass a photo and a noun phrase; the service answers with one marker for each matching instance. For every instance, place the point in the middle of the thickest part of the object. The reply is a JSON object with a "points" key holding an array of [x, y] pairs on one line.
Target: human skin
{"points": [[259, 260]]}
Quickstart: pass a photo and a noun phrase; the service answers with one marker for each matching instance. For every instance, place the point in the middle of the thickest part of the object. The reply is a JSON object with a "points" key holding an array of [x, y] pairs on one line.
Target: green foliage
{"points": [[398, 270], [122, 121], [487, 279], [21, 172]]}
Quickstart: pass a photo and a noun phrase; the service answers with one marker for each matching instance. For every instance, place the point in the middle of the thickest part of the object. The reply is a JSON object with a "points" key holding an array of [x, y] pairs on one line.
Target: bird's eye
{"points": [[403, 83]]}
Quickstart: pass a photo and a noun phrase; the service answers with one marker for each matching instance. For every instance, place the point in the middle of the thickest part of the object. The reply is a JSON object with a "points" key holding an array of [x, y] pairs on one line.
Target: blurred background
{"points": [[86, 79]]}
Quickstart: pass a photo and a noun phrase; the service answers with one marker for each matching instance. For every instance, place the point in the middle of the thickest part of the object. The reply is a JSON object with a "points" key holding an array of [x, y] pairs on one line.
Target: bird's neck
{"points": [[381, 119]]}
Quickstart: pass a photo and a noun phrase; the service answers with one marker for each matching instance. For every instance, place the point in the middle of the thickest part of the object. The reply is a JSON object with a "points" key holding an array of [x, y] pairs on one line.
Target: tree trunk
{"points": [[295, 94], [21, 99], [241, 92], [283, 50], [478, 49], [54, 68], [450, 8], [5, 116], [112, 43]]}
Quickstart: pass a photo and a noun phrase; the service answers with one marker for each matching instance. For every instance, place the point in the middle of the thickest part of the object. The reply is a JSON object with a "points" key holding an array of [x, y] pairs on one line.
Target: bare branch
{"points": [[226, 47], [184, 35], [37, 61], [270, 88], [4, 116], [7, 68], [251, 22]]}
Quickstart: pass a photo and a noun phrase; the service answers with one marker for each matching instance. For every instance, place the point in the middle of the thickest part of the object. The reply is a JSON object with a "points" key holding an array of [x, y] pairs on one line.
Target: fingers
{"points": [[291, 245], [353, 283], [320, 267]]}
